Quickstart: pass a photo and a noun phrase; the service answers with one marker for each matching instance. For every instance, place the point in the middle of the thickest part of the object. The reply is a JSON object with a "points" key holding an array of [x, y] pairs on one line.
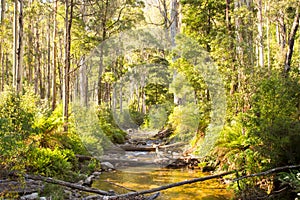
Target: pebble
{"points": [[106, 166], [32, 196]]}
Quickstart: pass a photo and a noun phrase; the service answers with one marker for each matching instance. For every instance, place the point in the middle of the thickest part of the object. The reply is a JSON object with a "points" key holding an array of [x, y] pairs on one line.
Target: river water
{"points": [[142, 178], [140, 171]]}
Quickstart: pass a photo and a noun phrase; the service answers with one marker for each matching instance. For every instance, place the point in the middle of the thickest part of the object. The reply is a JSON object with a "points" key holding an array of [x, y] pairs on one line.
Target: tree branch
{"points": [[67, 184], [270, 171]]}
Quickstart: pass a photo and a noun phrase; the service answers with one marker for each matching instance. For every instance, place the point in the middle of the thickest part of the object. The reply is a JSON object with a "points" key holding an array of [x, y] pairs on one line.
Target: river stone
{"points": [[88, 181], [96, 173], [106, 166], [30, 196]]}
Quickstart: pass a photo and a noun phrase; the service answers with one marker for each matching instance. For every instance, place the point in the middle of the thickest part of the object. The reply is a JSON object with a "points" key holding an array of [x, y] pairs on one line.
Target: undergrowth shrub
{"points": [[51, 163], [109, 126], [266, 136], [185, 120], [32, 138], [17, 114]]}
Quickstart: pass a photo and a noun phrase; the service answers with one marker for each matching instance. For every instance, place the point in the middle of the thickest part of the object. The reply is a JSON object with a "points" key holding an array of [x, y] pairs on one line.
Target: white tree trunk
{"points": [[83, 82], [260, 34], [15, 45]]}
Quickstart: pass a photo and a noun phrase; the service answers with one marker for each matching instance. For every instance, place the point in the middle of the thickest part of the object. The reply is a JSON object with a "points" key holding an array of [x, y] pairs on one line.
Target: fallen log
{"points": [[177, 144], [82, 158], [20, 187], [67, 184], [165, 133], [129, 147]]}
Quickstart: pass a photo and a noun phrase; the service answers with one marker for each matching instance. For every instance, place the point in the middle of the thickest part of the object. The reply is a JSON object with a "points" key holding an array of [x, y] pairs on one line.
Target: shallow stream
{"points": [[142, 178]]}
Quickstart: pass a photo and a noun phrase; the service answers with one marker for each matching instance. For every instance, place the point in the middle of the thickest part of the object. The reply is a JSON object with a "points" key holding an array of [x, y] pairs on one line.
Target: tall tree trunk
{"points": [[174, 21], [66, 93], [100, 71], [48, 78], [3, 3], [291, 40], [2, 71], [260, 40], [227, 15], [30, 52], [281, 35], [38, 81], [173, 31], [101, 66], [83, 78], [267, 7], [2, 57], [60, 64], [19, 71], [54, 59], [15, 45], [83, 82]]}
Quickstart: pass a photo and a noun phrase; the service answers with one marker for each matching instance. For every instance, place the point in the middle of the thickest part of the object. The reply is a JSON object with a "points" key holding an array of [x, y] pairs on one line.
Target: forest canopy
{"points": [[222, 75]]}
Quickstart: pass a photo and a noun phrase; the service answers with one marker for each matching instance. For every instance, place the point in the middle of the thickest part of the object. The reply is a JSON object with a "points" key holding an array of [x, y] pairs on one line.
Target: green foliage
{"points": [[158, 116], [273, 119], [234, 148], [32, 137], [291, 179], [17, 114], [265, 136], [136, 117], [50, 163], [197, 12], [109, 127], [53, 191], [185, 121]]}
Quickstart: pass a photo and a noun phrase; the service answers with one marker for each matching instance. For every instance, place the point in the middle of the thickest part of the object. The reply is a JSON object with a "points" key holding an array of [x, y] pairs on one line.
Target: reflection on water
{"points": [[142, 179]]}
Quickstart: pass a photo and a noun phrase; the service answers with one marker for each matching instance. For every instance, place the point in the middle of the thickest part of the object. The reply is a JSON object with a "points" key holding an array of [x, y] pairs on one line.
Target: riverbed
{"points": [[142, 178]]}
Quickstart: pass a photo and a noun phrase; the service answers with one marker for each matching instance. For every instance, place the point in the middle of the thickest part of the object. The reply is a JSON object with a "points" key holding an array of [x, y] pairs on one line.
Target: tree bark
{"points": [[19, 70], [83, 82], [260, 41], [66, 83], [270, 171], [15, 44], [67, 184], [227, 15], [268, 36], [54, 59], [48, 78], [291, 41], [2, 56], [3, 3]]}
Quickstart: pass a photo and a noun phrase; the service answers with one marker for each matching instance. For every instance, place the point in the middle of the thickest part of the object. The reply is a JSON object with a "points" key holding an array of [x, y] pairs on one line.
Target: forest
{"points": [[221, 76]]}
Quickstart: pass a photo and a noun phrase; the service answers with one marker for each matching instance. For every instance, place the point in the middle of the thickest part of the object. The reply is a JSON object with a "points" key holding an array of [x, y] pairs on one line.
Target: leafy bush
{"points": [[32, 138], [109, 126], [273, 119], [157, 116], [17, 114], [53, 163], [265, 136], [292, 179], [185, 120]]}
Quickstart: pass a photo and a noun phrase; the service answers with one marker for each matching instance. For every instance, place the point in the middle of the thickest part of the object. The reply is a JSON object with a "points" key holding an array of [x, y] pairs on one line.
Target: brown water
{"points": [[146, 178]]}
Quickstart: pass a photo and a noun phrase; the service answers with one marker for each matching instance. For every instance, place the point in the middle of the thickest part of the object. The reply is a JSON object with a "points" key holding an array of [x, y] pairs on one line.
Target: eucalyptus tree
{"points": [[100, 21], [18, 45]]}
